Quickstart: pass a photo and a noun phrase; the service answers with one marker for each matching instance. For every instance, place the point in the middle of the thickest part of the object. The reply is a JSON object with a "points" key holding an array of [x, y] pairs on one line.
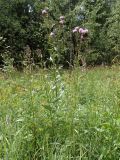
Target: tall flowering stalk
{"points": [[57, 41], [80, 36]]}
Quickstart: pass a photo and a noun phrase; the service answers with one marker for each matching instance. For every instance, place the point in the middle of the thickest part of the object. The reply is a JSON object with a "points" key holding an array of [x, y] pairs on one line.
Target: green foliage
{"points": [[60, 115], [113, 32], [22, 24]]}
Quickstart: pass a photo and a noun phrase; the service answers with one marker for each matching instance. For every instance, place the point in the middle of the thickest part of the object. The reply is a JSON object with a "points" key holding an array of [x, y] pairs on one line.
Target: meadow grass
{"points": [[60, 115]]}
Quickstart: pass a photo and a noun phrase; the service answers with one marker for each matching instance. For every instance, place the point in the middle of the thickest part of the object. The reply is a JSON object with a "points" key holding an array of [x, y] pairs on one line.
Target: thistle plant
{"points": [[80, 36], [58, 39]]}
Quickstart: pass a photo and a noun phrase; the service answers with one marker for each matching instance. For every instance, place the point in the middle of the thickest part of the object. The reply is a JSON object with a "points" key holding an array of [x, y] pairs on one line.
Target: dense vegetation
{"points": [[25, 31], [59, 115]]}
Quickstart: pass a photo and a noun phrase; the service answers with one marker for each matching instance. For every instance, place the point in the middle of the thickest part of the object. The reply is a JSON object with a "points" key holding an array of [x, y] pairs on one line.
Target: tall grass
{"points": [[60, 115]]}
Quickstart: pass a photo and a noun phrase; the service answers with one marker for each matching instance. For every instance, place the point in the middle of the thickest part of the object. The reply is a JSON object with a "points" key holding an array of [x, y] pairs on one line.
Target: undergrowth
{"points": [[60, 115]]}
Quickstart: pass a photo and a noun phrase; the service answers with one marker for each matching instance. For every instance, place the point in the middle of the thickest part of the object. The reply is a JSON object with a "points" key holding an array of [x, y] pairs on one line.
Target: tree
{"points": [[22, 24], [113, 31]]}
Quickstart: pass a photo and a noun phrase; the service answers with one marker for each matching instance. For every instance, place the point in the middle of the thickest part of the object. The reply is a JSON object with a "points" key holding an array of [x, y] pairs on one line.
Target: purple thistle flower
{"points": [[81, 30]]}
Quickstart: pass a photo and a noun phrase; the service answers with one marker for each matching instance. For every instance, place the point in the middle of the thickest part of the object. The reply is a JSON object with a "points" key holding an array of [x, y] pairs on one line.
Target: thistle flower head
{"points": [[74, 30], [85, 31], [77, 28], [81, 30], [62, 17], [44, 12], [61, 22]]}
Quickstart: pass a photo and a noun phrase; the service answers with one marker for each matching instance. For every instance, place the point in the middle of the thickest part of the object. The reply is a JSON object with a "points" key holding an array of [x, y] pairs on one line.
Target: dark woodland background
{"points": [[24, 31]]}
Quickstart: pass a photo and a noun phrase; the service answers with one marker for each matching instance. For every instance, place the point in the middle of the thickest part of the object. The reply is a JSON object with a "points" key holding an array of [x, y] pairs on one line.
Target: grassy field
{"points": [[60, 115]]}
